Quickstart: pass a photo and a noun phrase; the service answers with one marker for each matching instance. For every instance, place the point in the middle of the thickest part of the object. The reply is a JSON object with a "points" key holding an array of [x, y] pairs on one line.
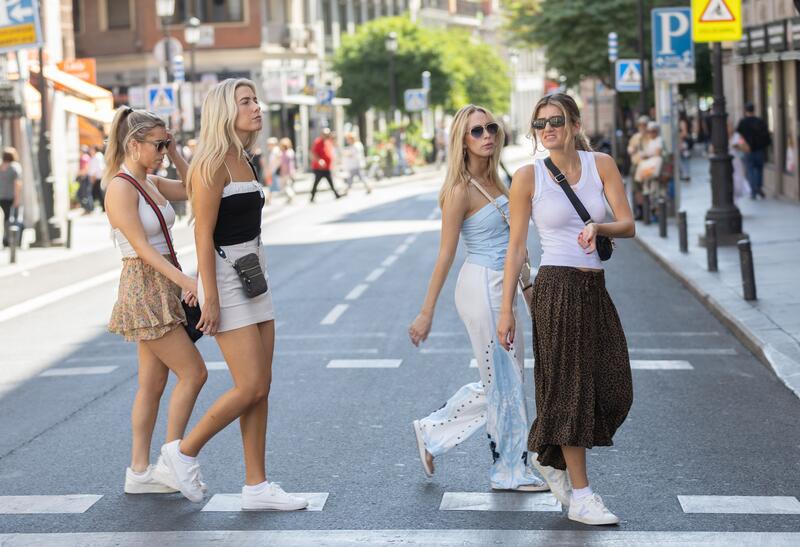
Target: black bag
{"points": [[248, 268], [192, 312], [603, 244]]}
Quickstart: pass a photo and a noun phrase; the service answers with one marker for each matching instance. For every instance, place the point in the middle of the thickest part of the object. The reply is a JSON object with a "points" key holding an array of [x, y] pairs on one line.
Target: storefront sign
{"points": [[85, 69], [758, 39]]}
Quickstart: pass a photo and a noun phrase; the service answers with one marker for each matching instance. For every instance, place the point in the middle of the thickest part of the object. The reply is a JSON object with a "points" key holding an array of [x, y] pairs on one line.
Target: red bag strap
{"points": [[153, 205]]}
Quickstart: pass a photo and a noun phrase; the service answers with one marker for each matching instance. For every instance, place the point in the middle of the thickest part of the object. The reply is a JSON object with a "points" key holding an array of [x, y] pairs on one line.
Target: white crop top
{"points": [[557, 221], [152, 229]]}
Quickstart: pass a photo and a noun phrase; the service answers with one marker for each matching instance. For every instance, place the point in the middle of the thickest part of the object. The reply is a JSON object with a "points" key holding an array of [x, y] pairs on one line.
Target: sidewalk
{"points": [[769, 326]]}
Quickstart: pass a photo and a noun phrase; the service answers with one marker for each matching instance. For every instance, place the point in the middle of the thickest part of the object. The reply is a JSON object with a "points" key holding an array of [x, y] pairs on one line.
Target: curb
{"points": [[776, 361]]}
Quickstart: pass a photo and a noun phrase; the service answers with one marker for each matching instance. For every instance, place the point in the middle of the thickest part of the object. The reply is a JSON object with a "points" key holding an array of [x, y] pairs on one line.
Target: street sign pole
{"points": [[613, 54]]}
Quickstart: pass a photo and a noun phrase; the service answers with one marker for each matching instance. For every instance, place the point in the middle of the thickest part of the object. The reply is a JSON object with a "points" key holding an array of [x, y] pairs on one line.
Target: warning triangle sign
{"points": [[716, 11], [631, 75]]}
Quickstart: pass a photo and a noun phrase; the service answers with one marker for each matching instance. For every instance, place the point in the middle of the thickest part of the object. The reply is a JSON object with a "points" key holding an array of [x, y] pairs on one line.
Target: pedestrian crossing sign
{"points": [[628, 75], [716, 20], [161, 100]]}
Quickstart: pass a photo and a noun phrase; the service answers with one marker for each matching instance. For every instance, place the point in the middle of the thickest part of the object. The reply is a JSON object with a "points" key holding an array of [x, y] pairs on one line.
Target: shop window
{"points": [[118, 14], [770, 100]]}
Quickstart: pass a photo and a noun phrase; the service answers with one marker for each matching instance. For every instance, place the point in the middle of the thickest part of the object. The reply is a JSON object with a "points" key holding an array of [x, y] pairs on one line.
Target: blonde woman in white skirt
{"points": [[227, 201], [497, 400]]}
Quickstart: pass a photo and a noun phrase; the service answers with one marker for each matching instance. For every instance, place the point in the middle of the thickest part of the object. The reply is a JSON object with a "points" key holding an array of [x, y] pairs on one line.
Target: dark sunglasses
{"points": [[554, 121], [160, 145], [477, 131]]}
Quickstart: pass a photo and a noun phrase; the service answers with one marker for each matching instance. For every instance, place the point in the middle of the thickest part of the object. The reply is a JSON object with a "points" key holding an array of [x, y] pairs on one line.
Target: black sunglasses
{"points": [[477, 131], [160, 145], [555, 121]]}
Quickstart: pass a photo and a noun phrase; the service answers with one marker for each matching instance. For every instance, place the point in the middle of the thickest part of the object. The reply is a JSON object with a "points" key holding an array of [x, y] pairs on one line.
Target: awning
{"points": [[81, 97]]}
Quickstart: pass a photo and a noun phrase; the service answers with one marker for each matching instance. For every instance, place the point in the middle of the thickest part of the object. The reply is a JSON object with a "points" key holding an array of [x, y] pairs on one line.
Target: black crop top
{"points": [[239, 217]]}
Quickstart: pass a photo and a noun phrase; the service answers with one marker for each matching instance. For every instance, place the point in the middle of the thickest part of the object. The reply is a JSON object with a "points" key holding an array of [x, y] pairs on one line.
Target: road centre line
{"points": [[334, 314], [357, 291], [401, 249], [78, 371], [389, 260], [375, 274]]}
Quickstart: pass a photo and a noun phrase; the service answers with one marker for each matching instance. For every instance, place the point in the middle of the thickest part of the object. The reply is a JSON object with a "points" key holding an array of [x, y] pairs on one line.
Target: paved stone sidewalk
{"points": [[770, 326]]}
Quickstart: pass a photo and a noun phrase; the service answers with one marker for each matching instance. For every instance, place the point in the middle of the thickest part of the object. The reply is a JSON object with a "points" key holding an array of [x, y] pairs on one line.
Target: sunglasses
{"points": [[477, 131], [160, 145], [554, 121]]}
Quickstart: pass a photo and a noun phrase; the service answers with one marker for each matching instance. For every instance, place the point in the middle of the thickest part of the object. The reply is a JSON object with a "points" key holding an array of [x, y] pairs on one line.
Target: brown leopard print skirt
{"points": [[582, 372]]}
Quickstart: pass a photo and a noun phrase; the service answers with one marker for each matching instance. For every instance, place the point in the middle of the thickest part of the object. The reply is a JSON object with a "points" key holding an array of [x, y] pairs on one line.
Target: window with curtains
{"points": [[770, 101], [118, 14]]}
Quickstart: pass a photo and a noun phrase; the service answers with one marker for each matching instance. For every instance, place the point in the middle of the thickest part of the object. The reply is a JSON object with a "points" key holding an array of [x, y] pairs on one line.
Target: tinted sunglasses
{"points": [[554, 121], [160, 145], [477, 131]]}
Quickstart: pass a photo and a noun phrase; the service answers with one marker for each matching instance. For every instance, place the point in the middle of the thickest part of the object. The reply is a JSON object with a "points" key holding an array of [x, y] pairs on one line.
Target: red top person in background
{"points": [[322, 158]]}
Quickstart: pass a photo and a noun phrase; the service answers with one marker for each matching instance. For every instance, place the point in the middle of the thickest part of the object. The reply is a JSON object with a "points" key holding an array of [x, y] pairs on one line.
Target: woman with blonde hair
{"points": [[582, 373], [474, 206], [148, 309], [234, 294]]}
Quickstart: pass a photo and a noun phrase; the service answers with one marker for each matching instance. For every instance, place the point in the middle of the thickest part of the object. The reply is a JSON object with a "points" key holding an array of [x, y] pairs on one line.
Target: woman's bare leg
{"points": [[575, 457]]}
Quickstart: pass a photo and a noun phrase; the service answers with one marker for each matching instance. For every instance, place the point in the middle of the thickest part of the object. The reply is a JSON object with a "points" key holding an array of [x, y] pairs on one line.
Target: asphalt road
{"points": [[723, 427]]}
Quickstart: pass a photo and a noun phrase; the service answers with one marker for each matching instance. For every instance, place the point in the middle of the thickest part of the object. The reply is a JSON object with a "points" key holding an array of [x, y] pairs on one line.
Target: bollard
{"points": [[13, 240], [748, 274], [683, 233], [662, 217], [711, 245], [69, 234], [646, 209]]}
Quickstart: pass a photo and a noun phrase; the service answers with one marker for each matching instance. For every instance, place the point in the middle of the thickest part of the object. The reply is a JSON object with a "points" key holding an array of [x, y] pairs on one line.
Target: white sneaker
{"points": [[591, 510], [145, 483], [186, 476], [427, 466], [557, 480], [271, 498], [162, 474]]}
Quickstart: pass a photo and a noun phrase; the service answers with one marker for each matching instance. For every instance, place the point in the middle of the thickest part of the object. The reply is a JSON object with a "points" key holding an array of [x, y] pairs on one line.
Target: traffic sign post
{"points": [[19, 25], [716, 20], [161, 100], [628, 75], [415, 100], [613, 55]]}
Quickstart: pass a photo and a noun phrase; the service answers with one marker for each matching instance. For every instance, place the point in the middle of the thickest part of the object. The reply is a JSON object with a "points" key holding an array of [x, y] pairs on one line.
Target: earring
{"points": [[138, 156]]}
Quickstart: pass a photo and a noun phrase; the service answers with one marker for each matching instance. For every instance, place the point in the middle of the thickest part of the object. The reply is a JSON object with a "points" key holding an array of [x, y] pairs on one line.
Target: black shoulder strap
{"points": [[562, 181]]}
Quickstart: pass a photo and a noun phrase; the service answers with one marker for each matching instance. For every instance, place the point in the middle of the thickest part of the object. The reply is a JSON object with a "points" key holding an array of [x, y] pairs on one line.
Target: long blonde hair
{"points": [[457, 162], [218, 132], [127, 124], [572, 115]]}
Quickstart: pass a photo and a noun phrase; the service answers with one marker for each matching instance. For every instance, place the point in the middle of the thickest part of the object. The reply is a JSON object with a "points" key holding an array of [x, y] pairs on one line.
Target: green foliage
{"points": [[462, 70]]}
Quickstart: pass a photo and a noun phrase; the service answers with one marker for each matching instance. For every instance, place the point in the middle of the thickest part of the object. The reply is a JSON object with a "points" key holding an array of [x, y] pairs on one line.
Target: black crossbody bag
{"points": [[603, 244], [248, 267]]}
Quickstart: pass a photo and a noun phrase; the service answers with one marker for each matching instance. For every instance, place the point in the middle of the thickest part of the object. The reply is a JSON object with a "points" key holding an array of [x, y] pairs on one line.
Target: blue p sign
{"points": [[673, 48]]}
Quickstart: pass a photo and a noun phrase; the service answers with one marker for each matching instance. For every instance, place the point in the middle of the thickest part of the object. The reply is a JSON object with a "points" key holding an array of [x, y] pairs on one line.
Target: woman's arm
{"points": [[17, 189], [173, 190], [522, 187], [455, 209], [622, 225], [205, 203], [123, 213]]}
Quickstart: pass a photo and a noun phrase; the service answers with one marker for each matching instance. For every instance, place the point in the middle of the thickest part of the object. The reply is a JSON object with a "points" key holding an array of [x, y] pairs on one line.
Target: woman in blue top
{"points": [[497, 401]]}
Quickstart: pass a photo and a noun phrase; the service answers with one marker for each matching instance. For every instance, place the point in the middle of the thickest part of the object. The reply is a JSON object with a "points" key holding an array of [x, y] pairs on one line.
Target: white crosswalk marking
{"points": [[498, 501], [233, 502], [34, 505], [639, 364], [357, 291], [364, 363], [334, 314], [78, 371], [752, 505], [683, 351]]}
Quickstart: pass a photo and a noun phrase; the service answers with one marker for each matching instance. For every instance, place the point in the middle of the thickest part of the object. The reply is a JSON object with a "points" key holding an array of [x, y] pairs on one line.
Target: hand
{"points": [[420, 328], [506, 327], [190, 299], [209, 317], [586, 239], [172, 149], [189, 285]]}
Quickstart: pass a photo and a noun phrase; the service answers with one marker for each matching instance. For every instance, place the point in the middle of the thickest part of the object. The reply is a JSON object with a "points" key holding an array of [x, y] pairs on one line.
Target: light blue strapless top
{"points": [[485, 234]]}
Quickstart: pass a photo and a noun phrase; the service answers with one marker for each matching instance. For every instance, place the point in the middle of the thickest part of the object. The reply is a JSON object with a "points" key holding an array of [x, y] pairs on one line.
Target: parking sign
{"points": [[673, 47]]}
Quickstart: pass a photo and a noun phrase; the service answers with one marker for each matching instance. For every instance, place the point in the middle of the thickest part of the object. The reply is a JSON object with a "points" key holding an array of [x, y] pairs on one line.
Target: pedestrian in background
{"points": [[84, 183], [686, 145], [474, 205], [272, 164], [10, 190], [649, 169], [97, 167], [148, 309], [353, 161], [322, 161], [287, 167], [227, 200], [636, 146], [582, 373], [755, 133]]}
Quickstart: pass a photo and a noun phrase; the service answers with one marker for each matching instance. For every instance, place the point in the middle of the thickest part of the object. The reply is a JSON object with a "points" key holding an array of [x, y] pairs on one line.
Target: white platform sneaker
{"points": [[271, 498], [185, 475], [145, 483], [591, 510], [557, 480]]}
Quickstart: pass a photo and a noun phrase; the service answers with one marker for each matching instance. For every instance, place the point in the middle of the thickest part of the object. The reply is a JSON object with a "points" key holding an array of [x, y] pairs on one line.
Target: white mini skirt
{"points": [[236, 310]]}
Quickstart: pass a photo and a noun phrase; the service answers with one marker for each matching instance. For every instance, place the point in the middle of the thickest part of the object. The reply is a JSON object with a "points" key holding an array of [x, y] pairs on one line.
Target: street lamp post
{"points": [[192, 37], [723, 211], [391, 48], [643, 92], [165, 10]]}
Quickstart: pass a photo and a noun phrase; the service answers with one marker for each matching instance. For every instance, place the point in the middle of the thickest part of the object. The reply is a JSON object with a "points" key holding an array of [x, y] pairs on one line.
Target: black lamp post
{"points": [[391, 48], [723, 211], [165, 10], [643, 92]]}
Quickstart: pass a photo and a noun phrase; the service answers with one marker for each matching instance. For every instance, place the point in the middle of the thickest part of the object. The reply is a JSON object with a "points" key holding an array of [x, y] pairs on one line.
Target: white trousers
{"points": [[498, 400]]}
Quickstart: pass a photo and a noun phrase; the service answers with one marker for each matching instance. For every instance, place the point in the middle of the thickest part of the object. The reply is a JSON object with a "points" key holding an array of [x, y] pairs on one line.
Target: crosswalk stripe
{"points": [[233, 502], [78, 371], [334, 314], [498, 501], [751, 505], [640, 364], [34, 505], [364, 363]]}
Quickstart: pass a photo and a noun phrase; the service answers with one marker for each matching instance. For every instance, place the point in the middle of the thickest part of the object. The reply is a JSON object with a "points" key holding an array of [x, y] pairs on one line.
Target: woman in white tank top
{"points": [[148, 309], [582, 372]]}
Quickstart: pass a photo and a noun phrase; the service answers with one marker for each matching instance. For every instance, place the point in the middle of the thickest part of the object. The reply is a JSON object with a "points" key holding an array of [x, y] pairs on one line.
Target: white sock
{"points": [[185, 458], [580, 493], [139, 473], [256, 488]]}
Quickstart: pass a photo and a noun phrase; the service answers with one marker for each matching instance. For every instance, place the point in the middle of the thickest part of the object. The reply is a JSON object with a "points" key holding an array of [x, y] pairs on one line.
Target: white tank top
{"points": [[557, 221], [152, 228]]}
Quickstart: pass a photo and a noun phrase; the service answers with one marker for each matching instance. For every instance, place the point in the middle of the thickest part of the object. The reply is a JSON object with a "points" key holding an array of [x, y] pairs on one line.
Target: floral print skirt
{"points": [[148, 304]]}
